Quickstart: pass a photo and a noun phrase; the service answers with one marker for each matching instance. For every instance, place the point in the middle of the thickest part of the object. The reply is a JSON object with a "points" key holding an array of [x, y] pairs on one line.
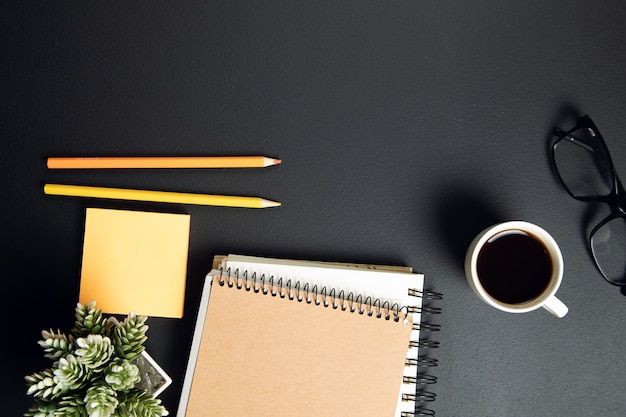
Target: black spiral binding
{"points": [[366, 306], [423, 362], [372, 307]]}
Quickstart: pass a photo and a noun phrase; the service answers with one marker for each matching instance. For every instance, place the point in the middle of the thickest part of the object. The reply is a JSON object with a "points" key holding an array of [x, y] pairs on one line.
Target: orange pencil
{"points": [[163, 162]]}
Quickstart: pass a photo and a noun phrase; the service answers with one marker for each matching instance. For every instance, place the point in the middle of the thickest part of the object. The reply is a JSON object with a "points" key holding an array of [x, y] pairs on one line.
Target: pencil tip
{"points": [[268, 203], [271, 161]]}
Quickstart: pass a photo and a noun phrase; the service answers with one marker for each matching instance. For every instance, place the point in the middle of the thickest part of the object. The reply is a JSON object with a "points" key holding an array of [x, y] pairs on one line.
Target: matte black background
{"points": [[405, 128]]}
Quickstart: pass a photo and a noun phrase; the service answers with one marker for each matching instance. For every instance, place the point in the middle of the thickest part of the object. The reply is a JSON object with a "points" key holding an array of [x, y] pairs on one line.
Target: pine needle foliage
{"points": [[93, 373]]}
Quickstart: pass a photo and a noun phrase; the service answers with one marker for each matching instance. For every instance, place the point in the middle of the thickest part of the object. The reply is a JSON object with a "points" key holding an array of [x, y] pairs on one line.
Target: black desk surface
{"points": [[404, 126]]}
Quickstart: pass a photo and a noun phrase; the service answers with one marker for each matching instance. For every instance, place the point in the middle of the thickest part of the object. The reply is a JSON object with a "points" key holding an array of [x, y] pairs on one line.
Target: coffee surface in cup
{"points": [[514, 266]]}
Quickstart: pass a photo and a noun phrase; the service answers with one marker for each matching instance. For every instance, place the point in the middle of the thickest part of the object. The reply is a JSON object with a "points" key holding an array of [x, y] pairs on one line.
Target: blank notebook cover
{"points": [[257, 354], [135, 261]]}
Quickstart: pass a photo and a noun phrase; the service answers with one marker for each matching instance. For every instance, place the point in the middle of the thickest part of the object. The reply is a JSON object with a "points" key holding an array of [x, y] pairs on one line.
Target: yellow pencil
{"points": [[158, 196], [163, 162]]}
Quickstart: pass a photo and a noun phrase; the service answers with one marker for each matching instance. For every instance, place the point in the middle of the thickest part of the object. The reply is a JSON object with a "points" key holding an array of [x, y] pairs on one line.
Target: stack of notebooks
{"points": [[287, 338]]}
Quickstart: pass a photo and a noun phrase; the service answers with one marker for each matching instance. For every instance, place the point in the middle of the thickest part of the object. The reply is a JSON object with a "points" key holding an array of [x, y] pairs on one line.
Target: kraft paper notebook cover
{"points": [[135, 261], [348, 348]]}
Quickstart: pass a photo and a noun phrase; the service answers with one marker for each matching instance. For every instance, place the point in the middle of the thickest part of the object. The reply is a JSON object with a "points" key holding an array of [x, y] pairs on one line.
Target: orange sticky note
{"points": [[135, 261]]}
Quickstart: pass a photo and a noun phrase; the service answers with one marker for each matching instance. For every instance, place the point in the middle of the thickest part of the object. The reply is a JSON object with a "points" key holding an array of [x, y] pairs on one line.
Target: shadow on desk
{"points": [[461, 213]]}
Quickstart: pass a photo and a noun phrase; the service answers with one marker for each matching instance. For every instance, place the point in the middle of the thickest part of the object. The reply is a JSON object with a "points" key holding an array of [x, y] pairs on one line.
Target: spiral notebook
{"points": [[281, 337]]}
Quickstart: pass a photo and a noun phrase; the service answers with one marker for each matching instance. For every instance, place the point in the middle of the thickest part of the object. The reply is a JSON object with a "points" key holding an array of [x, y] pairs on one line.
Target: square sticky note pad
{"points": [[135, 261]]}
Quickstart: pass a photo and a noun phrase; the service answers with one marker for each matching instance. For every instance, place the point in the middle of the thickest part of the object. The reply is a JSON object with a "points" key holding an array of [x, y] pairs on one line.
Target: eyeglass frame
{"points": [[616, 199]]}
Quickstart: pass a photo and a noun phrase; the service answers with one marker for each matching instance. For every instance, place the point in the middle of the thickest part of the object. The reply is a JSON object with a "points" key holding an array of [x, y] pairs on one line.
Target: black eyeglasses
{"points": [[584, 167]]}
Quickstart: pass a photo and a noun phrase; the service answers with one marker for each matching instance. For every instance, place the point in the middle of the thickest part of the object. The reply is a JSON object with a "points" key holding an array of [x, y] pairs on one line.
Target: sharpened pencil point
{"points": [[268, 203], [268, 162]]}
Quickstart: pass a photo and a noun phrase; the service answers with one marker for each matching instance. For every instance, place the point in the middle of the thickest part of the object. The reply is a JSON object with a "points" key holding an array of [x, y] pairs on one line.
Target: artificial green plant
{"points": [[93, 374]]}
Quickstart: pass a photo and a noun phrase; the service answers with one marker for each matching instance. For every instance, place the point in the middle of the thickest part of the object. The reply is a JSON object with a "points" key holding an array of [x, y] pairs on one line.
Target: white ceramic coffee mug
{"points": [[476, 260]]}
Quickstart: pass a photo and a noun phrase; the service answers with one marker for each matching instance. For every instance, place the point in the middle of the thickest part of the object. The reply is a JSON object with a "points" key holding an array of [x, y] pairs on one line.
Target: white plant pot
{"points": [[153, 377]]}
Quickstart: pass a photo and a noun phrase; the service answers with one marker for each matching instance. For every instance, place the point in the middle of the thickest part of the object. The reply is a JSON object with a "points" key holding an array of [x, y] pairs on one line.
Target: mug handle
{"points": [[556, 307]]}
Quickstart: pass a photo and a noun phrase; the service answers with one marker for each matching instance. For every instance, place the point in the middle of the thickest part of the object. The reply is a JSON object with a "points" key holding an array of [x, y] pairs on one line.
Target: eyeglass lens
{"points": [[583, 165], [608, 244], [585, 169]]}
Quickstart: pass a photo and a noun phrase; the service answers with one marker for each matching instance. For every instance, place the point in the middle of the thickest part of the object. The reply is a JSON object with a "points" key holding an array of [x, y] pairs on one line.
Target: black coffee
{"points": [[514, 267]]}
